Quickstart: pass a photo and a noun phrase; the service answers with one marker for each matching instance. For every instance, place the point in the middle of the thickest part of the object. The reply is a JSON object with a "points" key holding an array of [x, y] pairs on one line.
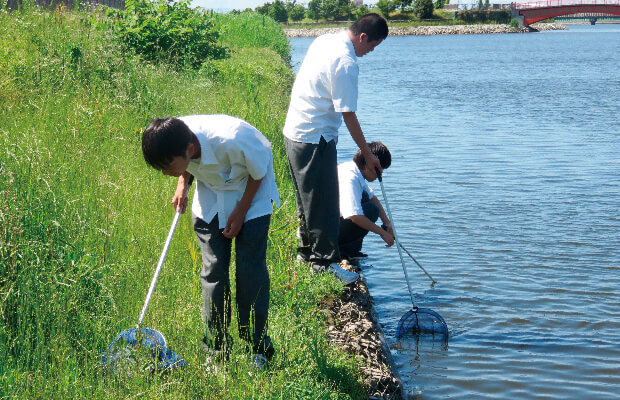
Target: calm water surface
{"points": [[505, 186]]}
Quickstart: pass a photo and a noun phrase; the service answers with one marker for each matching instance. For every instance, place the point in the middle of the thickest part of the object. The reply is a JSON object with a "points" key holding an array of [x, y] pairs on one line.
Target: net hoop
{"points": [[144, 346], [421, 321]]}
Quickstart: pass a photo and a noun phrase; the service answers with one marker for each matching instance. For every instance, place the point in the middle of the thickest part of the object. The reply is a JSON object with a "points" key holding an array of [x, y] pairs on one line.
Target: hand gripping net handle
{"points": [[160, 263]]}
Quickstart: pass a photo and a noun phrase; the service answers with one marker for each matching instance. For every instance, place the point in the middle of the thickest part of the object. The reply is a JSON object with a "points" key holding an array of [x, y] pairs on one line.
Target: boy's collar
{"points": [[207, 156]]}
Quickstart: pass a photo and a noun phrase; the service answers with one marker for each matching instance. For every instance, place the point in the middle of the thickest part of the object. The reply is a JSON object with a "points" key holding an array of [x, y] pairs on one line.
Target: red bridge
{"points": [[528, 13]]}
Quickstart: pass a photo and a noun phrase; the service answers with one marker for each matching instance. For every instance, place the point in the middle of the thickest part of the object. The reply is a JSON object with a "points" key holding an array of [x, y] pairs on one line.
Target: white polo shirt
{"points": [[231, 150], [351, 186], [325, 87]]}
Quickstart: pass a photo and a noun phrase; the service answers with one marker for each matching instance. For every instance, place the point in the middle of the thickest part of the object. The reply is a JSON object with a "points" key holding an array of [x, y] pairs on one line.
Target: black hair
{"points": [[164, 139], [372, 24], [379, 150]]}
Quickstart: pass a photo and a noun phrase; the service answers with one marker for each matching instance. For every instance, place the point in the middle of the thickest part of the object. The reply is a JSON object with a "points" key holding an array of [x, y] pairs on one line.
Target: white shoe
{"points": [[343, 275]]}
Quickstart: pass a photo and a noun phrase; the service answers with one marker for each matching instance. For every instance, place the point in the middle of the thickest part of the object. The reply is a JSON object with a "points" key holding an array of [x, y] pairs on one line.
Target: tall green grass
{"points": [[83, 220]]}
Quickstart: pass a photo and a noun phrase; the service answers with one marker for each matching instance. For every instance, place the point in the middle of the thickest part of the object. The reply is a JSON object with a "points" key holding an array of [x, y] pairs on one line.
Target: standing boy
{"points": [[359, 207], [325, 93], [233, 166]]}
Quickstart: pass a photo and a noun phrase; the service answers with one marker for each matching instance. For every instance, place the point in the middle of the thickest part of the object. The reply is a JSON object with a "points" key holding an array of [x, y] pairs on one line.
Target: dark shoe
{"points": [[358, 256]]}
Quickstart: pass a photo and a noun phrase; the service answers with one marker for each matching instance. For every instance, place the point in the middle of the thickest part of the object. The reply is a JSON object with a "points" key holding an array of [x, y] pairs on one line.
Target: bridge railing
{"points": [[562, 3]]}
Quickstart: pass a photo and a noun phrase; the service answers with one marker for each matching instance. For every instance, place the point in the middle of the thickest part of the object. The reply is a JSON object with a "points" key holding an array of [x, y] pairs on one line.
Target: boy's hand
{"points": [[388, 238], [234, 223], [180, 200], [388, 227], [374, 165]]}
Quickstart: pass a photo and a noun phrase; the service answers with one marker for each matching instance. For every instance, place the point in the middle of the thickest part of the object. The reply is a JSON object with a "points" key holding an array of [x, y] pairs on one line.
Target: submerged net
{"points": [[136, 350], [421, 320]]}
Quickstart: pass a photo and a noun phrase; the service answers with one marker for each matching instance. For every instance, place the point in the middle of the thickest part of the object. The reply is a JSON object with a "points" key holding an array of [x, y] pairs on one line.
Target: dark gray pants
{"points": [[252, 283], [351, 235], [315, 176]]}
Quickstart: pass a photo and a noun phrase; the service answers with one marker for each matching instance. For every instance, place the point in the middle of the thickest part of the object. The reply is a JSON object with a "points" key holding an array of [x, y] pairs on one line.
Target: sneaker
{"points": [[343, 275], [357, 256], [259, 362]]}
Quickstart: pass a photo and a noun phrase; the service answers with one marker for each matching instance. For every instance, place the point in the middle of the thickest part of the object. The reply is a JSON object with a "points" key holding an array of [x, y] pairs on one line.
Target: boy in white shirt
{"points": [[359, 207], [233, 166], [325, 93]]}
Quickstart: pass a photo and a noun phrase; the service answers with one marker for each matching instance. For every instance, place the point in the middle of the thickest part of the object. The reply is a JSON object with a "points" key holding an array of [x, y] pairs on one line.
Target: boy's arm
{"points": [[237, 216], [179, 200], [384, 218], [353, 125], [363, 222]]}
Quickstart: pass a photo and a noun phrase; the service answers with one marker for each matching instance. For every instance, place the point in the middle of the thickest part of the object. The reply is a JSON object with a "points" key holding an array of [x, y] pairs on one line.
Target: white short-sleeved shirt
{"points": [[325, 87], [231, 150], [351, 186]]}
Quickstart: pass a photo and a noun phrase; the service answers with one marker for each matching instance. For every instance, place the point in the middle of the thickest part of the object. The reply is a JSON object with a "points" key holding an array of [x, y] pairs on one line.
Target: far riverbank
{"points": [[435, 30]]}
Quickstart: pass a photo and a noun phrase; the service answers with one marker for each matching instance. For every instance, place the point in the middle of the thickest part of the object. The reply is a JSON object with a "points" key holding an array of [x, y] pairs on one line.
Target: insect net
{"points": [[135, 350], [421, 320]]}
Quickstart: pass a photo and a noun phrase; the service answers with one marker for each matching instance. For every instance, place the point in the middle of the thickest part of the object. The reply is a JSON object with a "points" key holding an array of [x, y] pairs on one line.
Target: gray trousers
{"points": [[315, 176], [252, 283]]}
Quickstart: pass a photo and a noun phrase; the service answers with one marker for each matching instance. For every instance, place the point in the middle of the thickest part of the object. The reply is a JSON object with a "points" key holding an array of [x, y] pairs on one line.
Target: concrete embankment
{"points": [[434, 30]]}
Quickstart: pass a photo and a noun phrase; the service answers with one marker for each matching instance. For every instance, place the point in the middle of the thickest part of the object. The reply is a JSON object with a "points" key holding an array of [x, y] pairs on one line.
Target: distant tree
{"points": [[386, 7], [361, 10], [423, 9], [402, 4], [289, 5], [297, 13], [264, 9], [329, 9], [314, 10], [278, 12], [480, 5], [487, 4], [439, 4]]}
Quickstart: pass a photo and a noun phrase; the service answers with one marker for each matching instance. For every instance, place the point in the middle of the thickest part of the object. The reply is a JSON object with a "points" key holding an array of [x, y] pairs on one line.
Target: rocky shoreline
{"points": [[353, 326], [434, 30]]}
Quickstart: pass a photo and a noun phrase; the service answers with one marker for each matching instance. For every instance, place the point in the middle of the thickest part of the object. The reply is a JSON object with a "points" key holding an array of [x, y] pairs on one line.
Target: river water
{"points": [[505, 186]]}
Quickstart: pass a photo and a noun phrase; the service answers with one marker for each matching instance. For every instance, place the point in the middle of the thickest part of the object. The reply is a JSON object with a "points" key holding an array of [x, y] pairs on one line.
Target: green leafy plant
{"points": [[168, 31]]}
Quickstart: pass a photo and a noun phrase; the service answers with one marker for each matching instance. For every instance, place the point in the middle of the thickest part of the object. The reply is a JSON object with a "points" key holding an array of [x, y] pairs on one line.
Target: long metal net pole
{"points": [[400, 253]]}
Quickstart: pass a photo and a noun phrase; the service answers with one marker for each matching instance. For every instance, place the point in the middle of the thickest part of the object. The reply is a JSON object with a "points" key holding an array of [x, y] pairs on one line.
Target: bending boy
{"points": [[325, 93], [359, 207], [233, 166]]}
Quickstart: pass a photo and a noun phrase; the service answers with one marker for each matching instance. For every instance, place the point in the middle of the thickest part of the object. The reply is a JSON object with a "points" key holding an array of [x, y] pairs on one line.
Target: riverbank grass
{"points": [[83, 219]]}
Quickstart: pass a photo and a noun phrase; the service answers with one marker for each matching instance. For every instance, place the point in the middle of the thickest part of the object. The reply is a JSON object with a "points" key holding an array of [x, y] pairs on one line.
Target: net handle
{"points": [[160, 263], [398, 246]]}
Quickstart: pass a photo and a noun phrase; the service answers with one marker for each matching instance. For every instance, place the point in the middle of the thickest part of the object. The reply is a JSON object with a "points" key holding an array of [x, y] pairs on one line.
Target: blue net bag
{"points": [[136, 350], [421, 320]]}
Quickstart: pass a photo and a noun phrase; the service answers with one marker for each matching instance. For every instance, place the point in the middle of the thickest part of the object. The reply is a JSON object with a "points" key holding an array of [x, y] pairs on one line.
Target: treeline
{"points": [[343, 10], [290, 10]]}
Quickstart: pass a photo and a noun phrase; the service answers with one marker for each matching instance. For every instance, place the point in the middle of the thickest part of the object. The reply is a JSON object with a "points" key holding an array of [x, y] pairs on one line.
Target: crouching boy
{"points": [[359, 207], [233, 166]]}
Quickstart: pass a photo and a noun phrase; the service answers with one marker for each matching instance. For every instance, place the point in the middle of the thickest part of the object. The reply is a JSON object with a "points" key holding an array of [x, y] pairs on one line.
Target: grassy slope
{"points": [[83, 220]]}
